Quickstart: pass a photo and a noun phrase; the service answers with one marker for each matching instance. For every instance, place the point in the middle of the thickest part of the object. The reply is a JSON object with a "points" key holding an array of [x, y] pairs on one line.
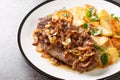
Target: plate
{"points": [[43, 65]]}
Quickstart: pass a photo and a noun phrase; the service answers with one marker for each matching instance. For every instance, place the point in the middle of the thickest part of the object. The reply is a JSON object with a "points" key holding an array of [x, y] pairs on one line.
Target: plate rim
{"points": [[25, 57]]}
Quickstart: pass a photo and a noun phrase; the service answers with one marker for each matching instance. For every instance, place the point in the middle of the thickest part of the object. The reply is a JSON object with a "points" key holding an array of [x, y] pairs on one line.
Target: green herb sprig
{"points": [[95, 31], [104, 58], [98, 47], [115, 17], [90, 12], [94, 18], [86, 25], [65, 15]]}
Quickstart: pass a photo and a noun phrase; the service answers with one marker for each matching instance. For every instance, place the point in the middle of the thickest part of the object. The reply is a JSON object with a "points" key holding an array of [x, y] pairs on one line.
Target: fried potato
{"points": [[115, 28], [87, 8], [63, 14], [78, 13], [116, 43], [105, 22], [101, 41], [113, 55]]}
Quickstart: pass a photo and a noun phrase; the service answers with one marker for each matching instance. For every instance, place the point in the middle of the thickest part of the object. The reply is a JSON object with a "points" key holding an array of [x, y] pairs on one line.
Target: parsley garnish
{"points": [[115, 17], [119, 53], [92, 32], [90, 12], [104, 58], [112, 15], [98, 32], [86, 25], [94, 18], [95, 31], [118, 34], [98, 47], [66, 15]]}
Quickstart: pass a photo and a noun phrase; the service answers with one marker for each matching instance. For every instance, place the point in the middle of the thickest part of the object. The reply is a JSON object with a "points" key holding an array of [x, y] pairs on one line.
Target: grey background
{"points": [[12, 63]]}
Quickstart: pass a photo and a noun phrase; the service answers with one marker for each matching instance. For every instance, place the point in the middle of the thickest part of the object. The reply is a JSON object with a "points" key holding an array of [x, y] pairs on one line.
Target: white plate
{"points": [[25, 40]]}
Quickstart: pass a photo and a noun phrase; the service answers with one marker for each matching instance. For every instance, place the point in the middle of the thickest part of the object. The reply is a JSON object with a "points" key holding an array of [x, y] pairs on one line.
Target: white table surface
{"points": [[12, 63]]}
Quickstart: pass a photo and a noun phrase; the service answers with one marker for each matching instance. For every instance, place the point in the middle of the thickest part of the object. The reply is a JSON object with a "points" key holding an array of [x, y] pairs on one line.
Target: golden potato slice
{"points": [[105, 22], [101, 41], [78, 13], [116, 43], [106, 32], [115, 28], [113, 55], [115, 25], [93, 13], [63, 14]]}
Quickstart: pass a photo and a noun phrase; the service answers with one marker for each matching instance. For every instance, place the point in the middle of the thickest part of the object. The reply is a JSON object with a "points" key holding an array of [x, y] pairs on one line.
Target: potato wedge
{"points": [[105, 22], [116, 43], [115, 25], [101, 41], [115, 28], [106, 32], [90, 14], [78, 13], [63, 14], [113, 54]]}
